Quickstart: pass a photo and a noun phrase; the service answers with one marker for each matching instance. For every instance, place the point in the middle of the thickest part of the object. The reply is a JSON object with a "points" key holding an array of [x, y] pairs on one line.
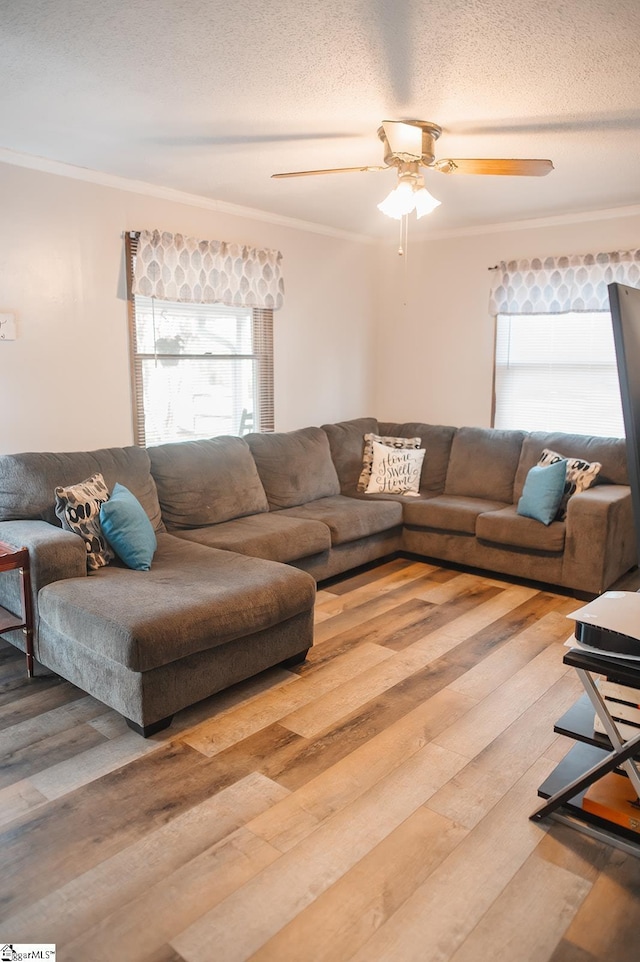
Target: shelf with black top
{"points": [[580, 759], [577, 723], [17, 559], [594, 755], [621, 670]]}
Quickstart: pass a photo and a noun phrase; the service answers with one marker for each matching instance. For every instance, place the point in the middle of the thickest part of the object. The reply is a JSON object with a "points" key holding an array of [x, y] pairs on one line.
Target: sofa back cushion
{"points": [[436, 440], [28, 481], [610, 452], [295, 467], [206, 482], [346, 441], [483, 463]]}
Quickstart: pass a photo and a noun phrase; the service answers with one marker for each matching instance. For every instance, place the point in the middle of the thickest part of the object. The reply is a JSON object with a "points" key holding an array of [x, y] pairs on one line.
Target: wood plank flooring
{"points": [[371, 804]]}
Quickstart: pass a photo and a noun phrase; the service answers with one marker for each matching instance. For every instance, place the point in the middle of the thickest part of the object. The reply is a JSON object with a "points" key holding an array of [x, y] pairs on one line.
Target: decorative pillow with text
{"points": [[367, 454], [395, 470]]}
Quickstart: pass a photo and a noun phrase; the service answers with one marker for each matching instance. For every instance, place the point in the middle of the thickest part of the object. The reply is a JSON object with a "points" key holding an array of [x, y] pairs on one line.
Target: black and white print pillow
{"points": [[78, 508], [581, 475]]}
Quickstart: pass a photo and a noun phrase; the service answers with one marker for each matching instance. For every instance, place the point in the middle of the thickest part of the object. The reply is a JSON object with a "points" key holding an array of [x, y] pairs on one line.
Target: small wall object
{"points": [[8, 331]]}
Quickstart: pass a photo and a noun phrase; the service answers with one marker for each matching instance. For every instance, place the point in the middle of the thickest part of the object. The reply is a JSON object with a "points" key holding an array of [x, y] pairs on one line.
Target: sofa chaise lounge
{"points": [[246, 527]]}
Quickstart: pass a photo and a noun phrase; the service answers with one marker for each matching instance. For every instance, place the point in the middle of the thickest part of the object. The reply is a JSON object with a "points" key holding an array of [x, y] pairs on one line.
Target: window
{"points": [[555, 364], [198, 370], [557, 372]]}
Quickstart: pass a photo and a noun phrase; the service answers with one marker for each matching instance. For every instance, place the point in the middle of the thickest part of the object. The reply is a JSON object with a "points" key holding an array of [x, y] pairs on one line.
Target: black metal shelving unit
{"points": [[591, 750]]}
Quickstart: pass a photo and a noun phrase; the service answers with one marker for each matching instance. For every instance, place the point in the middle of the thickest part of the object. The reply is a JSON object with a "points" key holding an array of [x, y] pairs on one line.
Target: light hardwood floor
{"points": [[371, 804]]}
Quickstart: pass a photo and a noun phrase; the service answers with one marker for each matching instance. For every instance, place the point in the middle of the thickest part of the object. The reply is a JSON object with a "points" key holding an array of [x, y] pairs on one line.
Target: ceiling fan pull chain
{"points": [[403, 247]]}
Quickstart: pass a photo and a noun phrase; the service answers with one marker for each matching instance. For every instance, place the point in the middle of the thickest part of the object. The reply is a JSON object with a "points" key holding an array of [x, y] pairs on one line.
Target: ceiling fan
{"points": [[409, 145]]}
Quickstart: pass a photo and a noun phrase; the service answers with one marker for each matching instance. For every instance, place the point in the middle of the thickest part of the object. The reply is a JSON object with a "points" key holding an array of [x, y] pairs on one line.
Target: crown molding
{"points": [[72, 172], [554, 220], [116, 182]]}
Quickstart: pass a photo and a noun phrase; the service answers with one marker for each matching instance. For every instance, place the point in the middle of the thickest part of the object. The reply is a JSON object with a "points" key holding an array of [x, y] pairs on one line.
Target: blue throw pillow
{"points": [[542, 492], [127, 528]]}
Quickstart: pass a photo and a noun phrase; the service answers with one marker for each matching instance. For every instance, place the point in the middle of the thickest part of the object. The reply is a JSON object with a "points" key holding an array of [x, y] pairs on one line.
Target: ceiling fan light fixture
{"points": [[409, 194], [399, 202], [425, 202]]}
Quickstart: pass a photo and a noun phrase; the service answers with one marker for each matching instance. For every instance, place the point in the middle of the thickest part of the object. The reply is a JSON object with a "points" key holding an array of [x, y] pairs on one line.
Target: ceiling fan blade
{"points": [[498, 167], [232, 140], [332, 170], [552, 123]]}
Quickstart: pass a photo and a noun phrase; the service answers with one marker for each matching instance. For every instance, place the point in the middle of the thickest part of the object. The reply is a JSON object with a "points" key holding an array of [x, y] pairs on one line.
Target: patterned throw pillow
{"points": [[395, 470], [367, 454], [78, 508], [580, 476]]}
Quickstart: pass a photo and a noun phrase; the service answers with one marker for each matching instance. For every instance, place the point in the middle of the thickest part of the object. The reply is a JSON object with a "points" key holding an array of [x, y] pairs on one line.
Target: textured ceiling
{"points": [[213, 97]]}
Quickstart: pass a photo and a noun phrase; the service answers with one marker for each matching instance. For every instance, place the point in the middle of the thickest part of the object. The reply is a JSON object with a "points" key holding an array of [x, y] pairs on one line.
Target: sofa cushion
{"points": [[349, 519], [448, 512], [346, 441], [483, 463], [28, 481], [610, 452], [193, 598], [295, 467], [206, 482], [269, 535], [506, 526], [436, 439]]}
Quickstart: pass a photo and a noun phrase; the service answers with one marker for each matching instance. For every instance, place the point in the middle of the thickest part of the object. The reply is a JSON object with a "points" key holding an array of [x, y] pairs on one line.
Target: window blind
{"points": [[198, 370], [557, 372]]}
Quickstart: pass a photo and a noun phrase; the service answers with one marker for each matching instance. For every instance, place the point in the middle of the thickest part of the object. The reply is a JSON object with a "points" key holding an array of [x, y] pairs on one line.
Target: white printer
{"points": [[610, 624]]}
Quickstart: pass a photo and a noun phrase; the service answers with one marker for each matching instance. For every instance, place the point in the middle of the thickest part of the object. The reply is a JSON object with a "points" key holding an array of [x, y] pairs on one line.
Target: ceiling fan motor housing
{"points": [[409, 141]]}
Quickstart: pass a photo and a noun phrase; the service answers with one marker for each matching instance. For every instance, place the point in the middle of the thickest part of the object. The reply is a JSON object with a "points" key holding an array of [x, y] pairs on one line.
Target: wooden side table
{"points": [[17, 559]]}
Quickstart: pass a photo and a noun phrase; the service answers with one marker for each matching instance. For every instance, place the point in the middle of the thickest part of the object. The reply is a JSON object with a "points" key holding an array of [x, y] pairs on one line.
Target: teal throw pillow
{"points": [[127, 528], [542, 492]]}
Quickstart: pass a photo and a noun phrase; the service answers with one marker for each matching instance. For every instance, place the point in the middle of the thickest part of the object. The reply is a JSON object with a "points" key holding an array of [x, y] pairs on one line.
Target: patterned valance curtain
{"points": [[559, 285], [176, 268]]}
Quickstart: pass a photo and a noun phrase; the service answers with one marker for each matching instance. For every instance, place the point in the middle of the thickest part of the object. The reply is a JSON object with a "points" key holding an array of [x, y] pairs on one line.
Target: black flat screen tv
{"points": [[625, 318]]}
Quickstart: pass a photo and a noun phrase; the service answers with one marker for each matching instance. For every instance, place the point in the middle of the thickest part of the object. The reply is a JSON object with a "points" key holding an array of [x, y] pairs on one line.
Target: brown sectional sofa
{"points": [[470, 516], [146, 643], [241, 525], [300, 516]]}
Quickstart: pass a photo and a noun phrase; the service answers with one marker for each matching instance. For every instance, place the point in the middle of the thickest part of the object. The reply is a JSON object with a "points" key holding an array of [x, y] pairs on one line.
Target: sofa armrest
{"points": [[54, 554], [600, 543]]}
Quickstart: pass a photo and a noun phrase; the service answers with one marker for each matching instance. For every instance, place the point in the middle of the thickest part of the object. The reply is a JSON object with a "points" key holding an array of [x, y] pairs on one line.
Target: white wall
{"points": [[363, 331], [65, 380], [434, 342]]}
